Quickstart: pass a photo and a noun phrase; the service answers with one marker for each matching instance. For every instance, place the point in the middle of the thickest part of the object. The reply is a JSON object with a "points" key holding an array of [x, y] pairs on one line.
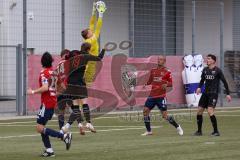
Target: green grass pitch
{"points": [[118, 138]]}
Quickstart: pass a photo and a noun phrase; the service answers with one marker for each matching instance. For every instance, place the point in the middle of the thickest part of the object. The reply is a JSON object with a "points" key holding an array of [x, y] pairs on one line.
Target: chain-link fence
{"points": [[153, 27], [11, 79], [8, 79], [173, 27]]}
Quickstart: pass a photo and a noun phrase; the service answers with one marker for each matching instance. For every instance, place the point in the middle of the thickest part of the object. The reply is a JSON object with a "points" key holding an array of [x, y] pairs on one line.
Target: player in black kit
{"points": [[211, 75], [76, 86]]}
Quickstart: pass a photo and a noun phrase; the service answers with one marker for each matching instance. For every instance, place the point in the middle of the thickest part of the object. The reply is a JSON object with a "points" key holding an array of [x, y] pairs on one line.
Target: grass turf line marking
{"points": [[104, 130], [186, 113], [56, 125], [209, 143]]}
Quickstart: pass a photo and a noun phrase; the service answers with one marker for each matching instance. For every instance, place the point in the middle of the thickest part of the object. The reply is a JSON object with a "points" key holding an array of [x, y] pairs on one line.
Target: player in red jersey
{"points": [[48, 103], [63, 100], [161, 81]]}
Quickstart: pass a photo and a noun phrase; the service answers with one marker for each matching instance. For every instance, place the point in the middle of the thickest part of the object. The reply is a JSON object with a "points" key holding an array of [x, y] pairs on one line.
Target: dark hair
{"points": [[85, 47], [212, 57], [65, 54], [85, 33], [46, 60], [74, 53]]}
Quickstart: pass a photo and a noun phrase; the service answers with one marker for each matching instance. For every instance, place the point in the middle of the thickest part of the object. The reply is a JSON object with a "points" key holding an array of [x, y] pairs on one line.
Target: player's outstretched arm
{"points": [[102, 53], [40, 90], [89, 57], [101, 8], [98, 27], [93, 17]]}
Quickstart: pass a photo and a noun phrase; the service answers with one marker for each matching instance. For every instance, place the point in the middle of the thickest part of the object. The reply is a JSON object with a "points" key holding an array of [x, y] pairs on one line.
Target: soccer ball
{"points": [[101, 6]]}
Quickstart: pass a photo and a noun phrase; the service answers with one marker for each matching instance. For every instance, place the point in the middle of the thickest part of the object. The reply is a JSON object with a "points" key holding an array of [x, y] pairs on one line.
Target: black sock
{"points": [[199, 122], [73, 115], [171, 120], [147, 123], [60, 121], [86, 112], [46, 141], [214, 123]]}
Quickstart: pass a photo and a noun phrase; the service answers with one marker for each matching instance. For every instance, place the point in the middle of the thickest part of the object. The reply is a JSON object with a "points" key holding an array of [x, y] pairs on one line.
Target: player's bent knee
{"points": [[39, 128], [200, 111], [165, 116], [210, 111], [146, 111]]}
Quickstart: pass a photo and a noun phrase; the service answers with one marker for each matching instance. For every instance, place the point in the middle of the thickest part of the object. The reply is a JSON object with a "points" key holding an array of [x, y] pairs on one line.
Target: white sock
{"points": [[68, 126], [61, 131], [80, 125], [50, 150]]}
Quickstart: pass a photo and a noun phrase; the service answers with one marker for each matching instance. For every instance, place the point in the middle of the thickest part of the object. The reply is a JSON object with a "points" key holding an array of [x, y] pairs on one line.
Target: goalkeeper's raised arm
{"points": [[90, 35]]}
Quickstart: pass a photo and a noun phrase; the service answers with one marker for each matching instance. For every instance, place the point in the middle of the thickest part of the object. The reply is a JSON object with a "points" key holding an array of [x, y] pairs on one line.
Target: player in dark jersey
{"points": [[211, 75], [76, 87], [48, 103], [161, 81]]}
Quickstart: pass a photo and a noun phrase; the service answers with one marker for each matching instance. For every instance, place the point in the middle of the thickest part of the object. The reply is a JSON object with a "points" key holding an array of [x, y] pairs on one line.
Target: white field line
{"points": [[219, 109], [52, 125], [26, 122], [228, 115], [104, 130], [56, 125], [183, 113]]}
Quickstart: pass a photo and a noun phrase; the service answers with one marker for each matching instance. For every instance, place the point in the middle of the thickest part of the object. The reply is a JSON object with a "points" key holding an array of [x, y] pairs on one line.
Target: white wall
{"points": [[208, 27], [228, 25], [44, 31], [10, 34], [116, 23]]}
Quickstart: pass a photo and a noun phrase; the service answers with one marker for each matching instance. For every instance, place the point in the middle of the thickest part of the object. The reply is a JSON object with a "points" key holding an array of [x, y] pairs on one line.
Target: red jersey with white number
{"points": [[48, 98], [159, 77], [62, 78]]}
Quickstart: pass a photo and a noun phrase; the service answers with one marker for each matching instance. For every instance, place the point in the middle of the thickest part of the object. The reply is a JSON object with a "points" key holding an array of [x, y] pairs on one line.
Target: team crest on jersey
{"points": [[213, 72]]}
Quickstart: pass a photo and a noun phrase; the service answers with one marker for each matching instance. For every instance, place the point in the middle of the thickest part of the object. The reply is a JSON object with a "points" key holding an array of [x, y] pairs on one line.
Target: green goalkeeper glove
{"points": [[101, 8]]}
